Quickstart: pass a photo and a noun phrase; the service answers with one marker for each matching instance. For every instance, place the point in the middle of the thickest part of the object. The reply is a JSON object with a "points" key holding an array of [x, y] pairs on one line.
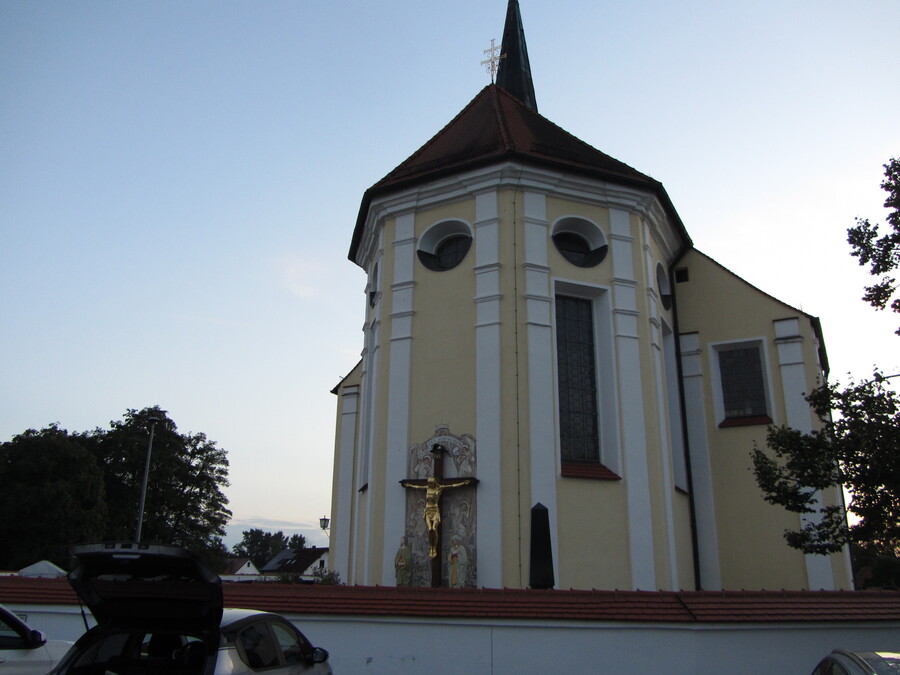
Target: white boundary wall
{"points": [[396, 645]]}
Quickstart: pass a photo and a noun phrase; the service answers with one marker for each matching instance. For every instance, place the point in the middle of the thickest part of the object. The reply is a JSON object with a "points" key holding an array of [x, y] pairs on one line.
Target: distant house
{"points": [[240, 569], [43, 569], [298, 562]]}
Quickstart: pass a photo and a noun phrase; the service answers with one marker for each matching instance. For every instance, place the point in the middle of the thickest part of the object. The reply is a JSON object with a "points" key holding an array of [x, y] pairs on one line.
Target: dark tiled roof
{"points": [[495, 127], [294, 561], [713, 607]]}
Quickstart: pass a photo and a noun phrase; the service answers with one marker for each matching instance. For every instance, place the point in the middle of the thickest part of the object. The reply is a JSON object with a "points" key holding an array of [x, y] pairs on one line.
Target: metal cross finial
{"points": [[492, 62]]}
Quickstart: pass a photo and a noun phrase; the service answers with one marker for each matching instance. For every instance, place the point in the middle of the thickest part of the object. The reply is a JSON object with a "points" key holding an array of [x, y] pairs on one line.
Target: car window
{"points": [[294, 646], [117, 645], [9, 636], [258, 647]]}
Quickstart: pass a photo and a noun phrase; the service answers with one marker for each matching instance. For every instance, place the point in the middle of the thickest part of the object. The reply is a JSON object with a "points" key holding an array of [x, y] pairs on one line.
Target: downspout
{"points": [[689, 474]]}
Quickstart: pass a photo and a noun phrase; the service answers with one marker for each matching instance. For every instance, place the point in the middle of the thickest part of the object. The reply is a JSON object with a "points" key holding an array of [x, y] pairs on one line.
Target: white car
{"points": [[159, 610], [843, 662], [24, 651]]}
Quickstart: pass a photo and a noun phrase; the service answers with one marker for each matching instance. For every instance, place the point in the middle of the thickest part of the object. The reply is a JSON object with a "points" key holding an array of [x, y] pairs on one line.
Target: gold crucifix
{"points": [[492, 62], [434, 488]]}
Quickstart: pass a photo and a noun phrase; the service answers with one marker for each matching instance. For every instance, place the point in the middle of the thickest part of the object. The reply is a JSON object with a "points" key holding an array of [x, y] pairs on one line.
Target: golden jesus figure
{"points": [[433, 490]]}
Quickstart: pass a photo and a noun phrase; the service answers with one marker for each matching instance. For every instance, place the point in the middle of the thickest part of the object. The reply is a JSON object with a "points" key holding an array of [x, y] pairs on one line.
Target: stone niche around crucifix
{"points": [[451, 461]]}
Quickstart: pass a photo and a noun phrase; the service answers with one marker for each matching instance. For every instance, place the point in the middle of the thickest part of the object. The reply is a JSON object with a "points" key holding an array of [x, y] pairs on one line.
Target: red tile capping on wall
{"points": [[562, 605]]}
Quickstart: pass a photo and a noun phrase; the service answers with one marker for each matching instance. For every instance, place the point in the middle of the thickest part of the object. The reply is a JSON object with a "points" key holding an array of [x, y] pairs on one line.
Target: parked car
{"points": [[24, 651], [843, 662], [159, 610]]}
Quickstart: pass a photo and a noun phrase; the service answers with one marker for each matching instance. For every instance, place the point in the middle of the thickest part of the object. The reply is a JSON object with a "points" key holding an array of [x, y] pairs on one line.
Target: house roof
{"points": [[234, 565], [496, 127], [710, 607], [294, 561]]}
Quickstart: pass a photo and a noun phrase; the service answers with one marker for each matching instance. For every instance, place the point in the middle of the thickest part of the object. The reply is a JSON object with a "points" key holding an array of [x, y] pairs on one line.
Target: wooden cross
{"points": [[434, 487], [492, 62]]}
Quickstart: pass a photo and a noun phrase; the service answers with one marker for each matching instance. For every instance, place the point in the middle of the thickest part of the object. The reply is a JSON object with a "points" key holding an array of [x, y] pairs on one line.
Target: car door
{"points": [[296, 649], [277, 648], [20, 652]]}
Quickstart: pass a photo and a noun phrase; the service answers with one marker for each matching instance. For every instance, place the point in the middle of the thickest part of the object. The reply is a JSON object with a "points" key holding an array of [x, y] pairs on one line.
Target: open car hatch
{"points": [[147, 584]]}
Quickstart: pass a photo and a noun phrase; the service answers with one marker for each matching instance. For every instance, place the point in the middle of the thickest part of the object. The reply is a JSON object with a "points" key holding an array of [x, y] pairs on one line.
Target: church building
{"points": [[557, 389]]}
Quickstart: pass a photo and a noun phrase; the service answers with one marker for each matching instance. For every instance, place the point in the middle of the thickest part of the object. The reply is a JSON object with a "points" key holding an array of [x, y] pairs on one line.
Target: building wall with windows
{"points": [[476, 348], [537, 309], [741, 345]]}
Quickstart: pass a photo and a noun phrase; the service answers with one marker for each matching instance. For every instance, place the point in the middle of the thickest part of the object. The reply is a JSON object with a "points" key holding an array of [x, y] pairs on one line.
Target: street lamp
{"points": [[324, 522], [140, 518]]}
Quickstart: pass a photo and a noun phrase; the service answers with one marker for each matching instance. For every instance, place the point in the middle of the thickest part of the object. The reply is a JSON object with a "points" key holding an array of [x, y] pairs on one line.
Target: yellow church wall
{"points": [[752, 551], [443, 345], [593, 535]]}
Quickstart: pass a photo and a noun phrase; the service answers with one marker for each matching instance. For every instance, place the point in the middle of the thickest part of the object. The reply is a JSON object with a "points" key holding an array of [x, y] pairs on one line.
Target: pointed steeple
{"points": [[514, 73]]}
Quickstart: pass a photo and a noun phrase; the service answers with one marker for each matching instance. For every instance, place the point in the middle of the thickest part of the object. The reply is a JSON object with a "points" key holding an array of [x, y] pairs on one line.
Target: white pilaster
{"points": [[789, 343], [701, 471], [538, 303], [397, 436], [634, 442], [489, 535], [342, 518]]}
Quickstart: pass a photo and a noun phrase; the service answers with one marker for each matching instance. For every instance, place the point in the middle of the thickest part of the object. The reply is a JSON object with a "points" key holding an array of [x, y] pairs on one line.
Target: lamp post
{"points": [[140, 518]]}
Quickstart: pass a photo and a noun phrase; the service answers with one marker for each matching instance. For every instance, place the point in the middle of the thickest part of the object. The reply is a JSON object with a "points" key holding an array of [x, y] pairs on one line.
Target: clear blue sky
{"points": [[179, 182]]}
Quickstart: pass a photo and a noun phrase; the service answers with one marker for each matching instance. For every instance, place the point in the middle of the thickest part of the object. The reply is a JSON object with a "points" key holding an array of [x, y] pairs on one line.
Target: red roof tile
{"points": [[553, 605]]}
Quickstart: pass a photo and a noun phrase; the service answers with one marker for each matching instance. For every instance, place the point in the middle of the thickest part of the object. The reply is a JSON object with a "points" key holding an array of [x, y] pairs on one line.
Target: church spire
{"points": [[514, 74]]}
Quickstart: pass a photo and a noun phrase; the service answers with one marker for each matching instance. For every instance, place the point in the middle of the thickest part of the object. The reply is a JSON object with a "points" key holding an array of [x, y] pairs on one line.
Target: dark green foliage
{"points": [[261, 546], [859, 449], [185, 505], [327, 577], [52, 495], [98, 474], [881, 252]]}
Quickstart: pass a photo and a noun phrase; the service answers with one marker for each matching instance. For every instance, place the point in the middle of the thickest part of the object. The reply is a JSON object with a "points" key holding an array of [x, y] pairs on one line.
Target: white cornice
{"points": [[514, 175]]}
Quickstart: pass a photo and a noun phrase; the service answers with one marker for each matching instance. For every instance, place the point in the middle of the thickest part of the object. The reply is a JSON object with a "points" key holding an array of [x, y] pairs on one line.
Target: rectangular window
{"points": [[743, 385], [577, 376]]}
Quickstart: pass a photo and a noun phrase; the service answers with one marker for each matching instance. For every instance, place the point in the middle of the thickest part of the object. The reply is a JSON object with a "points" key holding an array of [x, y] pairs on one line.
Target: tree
{"points": [[52, 495], [261, 546], [60, 488], [185, 505], [881, 253], [859, 450], [327, 577]]}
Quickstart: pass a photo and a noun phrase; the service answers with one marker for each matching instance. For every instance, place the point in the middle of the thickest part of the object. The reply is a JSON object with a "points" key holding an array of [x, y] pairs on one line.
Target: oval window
{"points": [[444, 245], [662, 283], [579, 241]]}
